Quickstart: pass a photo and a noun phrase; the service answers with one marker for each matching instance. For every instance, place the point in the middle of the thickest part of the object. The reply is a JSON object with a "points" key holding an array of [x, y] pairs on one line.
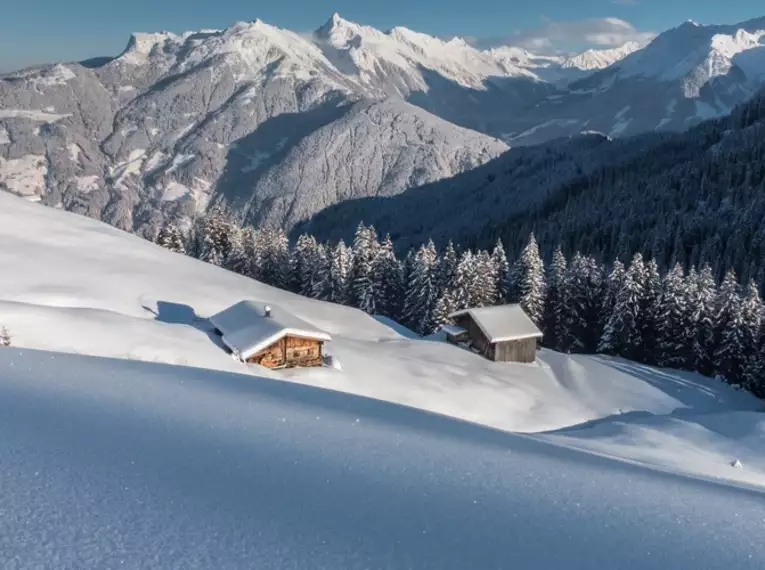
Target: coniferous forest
{"points": [[681, 318]]}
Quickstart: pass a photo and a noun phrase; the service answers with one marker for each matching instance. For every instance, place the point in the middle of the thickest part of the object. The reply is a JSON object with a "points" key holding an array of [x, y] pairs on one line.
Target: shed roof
{"points": [[247, 330], [502, 323]]}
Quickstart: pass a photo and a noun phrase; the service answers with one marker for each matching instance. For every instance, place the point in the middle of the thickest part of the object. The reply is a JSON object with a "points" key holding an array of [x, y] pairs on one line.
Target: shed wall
{"points": [[477, 338], [522, 350], [289, 351]]}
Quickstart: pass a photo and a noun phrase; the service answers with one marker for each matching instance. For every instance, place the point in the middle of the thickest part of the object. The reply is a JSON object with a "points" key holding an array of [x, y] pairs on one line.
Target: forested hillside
{"points": [[679, 319], [693, 198]]}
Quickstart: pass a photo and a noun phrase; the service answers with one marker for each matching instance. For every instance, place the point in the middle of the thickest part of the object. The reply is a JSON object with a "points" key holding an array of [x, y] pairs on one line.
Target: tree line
{"points": [[677, 318]]}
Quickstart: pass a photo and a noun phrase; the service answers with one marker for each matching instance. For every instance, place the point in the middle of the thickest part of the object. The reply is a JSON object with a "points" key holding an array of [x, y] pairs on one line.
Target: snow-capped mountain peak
{"points": [[593, 59]]}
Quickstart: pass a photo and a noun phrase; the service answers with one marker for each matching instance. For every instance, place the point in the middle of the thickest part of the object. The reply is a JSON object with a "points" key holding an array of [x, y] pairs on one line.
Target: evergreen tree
{"points": [[585, 291], [321, 280], [387, 278], [729, 355], [170, 237], [613, 285], [671, 331], [461, 293], [275, 258], [365, 249], [339, 271], [422, 291], [705, 319], [554, 325], [528, 281], [622, 331], [483, 290], [305, 257], [447, 268], [501, 272], [650, 317], [445, 306], [214, 237]]}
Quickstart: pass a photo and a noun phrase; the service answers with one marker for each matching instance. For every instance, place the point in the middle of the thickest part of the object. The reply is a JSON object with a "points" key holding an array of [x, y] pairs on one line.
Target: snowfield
{"points": [[130, 438]]}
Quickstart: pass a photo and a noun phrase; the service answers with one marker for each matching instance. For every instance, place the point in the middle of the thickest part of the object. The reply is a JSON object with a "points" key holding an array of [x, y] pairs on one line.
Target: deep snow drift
{"points": [[71, 284]]}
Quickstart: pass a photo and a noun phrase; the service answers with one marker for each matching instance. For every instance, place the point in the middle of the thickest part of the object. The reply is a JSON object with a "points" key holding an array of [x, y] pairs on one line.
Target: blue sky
{"points": [[35, 31]]}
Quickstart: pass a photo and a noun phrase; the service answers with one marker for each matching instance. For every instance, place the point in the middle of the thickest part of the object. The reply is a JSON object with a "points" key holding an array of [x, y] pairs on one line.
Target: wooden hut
{"points": [[269, 336], [501, 333]]}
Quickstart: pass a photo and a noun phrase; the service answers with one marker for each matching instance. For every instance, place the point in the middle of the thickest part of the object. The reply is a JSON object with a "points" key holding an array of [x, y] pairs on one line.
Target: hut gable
{"points": [[250, 328]]}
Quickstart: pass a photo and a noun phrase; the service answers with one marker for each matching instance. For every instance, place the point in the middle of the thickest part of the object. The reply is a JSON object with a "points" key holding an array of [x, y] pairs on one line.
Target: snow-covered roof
{"points": [[247, 330], [502, 322], [453, 330]]}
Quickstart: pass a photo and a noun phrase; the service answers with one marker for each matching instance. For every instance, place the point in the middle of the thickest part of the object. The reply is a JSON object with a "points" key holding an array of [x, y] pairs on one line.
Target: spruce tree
{"points": [[422, 291], [365, 248], [445, 306], [339, 271], [321, 279], [462, 290], [387, 278], [305, 259], [705, 319], [483, 290], [672, 327], [554, 324], [528, 281], [729, 355], [170, 237], [447, 268], [501, 272], [622, 331], [650, 317]]}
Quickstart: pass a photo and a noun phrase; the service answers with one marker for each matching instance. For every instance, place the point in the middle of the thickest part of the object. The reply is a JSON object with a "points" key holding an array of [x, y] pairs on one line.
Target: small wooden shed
{"points": [[268, 335], [502, 333]]}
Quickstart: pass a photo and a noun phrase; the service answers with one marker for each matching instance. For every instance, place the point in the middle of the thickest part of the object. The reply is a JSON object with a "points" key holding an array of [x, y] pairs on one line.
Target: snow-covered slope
{"points": [[119, 464], [179, 120], [685, 75], [79, 286]]}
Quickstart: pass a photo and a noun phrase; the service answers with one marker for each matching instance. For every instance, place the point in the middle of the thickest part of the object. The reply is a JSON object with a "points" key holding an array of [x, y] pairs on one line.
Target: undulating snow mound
{"points": [[79, 286]]}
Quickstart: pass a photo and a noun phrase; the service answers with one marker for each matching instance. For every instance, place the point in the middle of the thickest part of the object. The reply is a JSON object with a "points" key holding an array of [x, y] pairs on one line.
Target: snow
{"points": [[249, 326], [24, 176], [4, 137], [175, 191], [593, 59], [88, 183], [502, 323], [132, 439], [114, 463], [74, 152], [127, 167], [140, 302], [32, 115]]}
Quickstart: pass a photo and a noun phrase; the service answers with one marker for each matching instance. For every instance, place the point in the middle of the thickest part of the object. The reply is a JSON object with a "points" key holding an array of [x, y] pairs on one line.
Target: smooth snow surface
{"points": [[78, 286], [119, 464]]}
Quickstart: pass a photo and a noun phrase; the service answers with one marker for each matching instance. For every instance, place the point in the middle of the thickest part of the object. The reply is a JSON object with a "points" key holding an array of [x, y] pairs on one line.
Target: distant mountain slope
{"points": [[246, 114], [692, 197], [685, 75]]}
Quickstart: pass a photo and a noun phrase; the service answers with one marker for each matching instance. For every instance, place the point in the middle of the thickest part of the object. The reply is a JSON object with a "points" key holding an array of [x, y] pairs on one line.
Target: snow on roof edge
{"points": [[494, 338]]}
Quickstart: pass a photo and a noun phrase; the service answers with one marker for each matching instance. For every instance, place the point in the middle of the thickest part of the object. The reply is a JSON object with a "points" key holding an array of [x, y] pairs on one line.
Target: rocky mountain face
{"points": [[280, 125]]}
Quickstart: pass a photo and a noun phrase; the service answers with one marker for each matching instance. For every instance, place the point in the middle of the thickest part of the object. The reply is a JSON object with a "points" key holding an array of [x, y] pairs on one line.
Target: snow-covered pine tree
{"points": [[622, 332], [275, 258], [554, 324], [613, 285], [321, 274], [729, 355], [304, 256], [365, 249], [422, 291], [752, 315], [170, 237], [528, 281], [483, 291], [445, 306], [387, 278], [650, 317], [235, 256], [447, 268], [462, 287], [672, 351], [584, 304], [704, 315], [501, 272], [214, 236], [753, 375], [339, 270], [5, 337]]}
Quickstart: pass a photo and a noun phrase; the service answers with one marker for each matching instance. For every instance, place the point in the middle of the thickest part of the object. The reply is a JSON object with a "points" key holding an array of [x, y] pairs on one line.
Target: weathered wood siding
{"points": [[475, 334], [290, 351], [523, 350]]}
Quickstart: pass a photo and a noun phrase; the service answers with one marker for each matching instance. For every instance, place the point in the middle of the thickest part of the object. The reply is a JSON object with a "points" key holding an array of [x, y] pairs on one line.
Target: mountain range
{"points": [[280, 126]]}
